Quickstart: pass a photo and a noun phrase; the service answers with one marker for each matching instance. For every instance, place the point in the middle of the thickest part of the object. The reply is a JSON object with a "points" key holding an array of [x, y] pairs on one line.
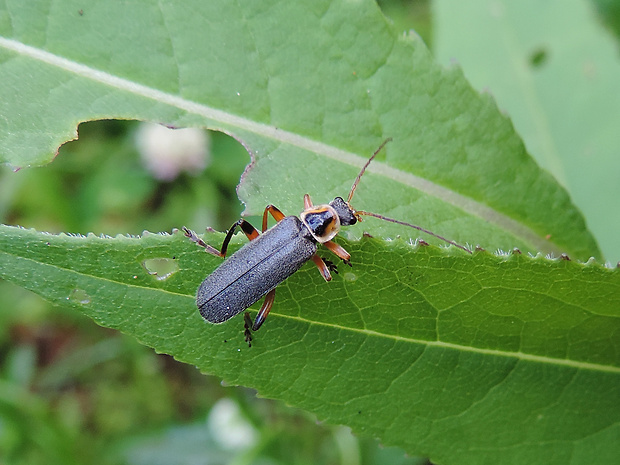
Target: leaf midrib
{"points": [[446, 195], [93, 276], [366, 332], [448, 345]]}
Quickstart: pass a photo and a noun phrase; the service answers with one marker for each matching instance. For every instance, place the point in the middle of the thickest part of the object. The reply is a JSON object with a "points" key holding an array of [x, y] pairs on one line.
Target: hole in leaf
{"points": [[160, 268], [79, 296]]}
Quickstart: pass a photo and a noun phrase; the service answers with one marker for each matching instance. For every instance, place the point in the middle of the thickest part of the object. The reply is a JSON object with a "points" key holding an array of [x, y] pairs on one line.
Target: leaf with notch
{"points": [[310, 88]]}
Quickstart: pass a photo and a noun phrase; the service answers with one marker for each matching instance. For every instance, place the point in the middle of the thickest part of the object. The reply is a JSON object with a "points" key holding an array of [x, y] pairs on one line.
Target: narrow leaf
{"points": [[466, 359]]}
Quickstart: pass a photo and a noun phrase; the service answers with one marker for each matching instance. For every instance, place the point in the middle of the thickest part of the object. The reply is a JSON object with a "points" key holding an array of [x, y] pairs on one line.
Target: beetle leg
{"points": [[247, 325], [333, 268], [323, 268], [250, 231], [260, 318], [338, 250], [191, 235], [275, 212], [307, 202], [264, 310]]}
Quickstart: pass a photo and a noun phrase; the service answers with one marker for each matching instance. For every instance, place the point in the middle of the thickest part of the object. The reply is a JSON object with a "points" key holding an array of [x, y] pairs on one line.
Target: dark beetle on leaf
{"points": [[269, 258]]}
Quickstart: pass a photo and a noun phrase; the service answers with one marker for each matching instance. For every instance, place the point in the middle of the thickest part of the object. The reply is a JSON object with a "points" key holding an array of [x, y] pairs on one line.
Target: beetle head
{"points": [[324, 221], [345, 212]]}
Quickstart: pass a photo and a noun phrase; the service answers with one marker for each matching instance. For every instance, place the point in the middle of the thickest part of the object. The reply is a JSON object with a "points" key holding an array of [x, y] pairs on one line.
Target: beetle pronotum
{"points": [[269, 258]]}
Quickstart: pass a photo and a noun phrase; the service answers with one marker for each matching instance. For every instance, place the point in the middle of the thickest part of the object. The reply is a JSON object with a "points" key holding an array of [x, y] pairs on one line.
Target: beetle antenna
{"points": [[385, 218], [359, 176], [391, 220]]}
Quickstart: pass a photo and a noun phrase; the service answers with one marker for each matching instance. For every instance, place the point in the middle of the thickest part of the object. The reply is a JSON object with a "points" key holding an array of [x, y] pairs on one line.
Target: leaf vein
{"points": [[447, 195]]}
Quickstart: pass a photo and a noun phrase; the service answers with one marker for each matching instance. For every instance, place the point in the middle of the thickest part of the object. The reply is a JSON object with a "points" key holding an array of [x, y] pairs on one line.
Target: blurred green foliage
{"points": [[609, 11], [409, 15], [98, 184], [72, 392]]}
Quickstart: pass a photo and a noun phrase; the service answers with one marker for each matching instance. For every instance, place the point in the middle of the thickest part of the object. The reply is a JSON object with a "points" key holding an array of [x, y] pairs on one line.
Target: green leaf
{"points": [[512, 359], [506, 359], [555, 69], [310, 88]]}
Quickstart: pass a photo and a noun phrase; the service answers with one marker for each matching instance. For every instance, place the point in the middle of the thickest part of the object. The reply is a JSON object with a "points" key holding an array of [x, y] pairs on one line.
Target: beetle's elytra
{"points": [[269, 258], [255, 270]]}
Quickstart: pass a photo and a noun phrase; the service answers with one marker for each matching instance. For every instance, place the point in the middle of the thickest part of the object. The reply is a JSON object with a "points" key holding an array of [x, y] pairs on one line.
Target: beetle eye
{"points": [[344, 211]]}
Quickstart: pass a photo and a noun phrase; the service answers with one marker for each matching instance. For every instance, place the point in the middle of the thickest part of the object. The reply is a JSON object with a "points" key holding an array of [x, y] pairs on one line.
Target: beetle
{"points": [[269, 258]]}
